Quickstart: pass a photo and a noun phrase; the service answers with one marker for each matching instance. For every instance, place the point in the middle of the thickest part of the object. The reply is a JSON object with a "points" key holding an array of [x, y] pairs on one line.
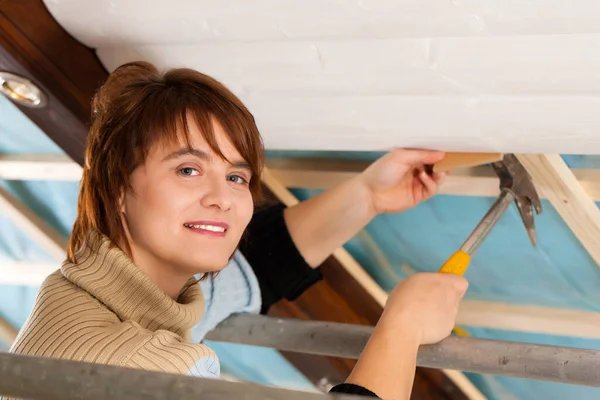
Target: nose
{"points": [[216, 193]]}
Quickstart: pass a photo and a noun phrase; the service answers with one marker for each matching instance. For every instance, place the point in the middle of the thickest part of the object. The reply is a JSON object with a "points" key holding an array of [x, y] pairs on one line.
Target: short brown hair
{"points": [[137, 107]]}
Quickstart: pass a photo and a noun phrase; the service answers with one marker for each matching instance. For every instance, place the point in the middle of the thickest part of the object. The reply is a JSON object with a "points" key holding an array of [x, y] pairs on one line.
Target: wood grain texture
{"points": [[476, 181], [33, 45], [526, 318], [24, 167], [554, 178], [455, 160]]}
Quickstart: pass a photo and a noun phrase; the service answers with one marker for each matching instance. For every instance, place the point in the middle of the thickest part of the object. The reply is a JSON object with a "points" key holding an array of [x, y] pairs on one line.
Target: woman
{"points": [[170, 184]]}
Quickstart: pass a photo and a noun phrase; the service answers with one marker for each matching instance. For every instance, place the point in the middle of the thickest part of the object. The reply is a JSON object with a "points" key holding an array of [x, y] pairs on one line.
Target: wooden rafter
{"points": [[39, 167], [33, 45], [552, 176], [533, 319], [295, 173], [33, 225], [477, 181]]}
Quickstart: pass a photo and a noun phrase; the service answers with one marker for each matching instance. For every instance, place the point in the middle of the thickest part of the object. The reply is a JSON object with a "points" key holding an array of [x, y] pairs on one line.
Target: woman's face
{"points": [[188, 209]]}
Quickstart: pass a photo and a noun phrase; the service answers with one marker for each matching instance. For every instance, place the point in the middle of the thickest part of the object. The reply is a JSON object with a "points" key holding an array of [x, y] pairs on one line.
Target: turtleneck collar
{"points": [[109, 275]]}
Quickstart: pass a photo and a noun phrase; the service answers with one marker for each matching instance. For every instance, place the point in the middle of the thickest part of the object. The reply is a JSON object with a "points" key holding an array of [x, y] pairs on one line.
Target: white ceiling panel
{"points": [[468, 75], [100, 22]]}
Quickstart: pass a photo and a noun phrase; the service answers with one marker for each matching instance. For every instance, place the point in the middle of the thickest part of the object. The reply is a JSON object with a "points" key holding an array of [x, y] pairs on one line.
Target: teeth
{"points": [[206, 227]]}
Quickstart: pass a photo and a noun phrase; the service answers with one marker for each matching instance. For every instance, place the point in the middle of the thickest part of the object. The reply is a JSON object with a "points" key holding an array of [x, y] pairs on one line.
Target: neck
{"points": [[161, 273]]}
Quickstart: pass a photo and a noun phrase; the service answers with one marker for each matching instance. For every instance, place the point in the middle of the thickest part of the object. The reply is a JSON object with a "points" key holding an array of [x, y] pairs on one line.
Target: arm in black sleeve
{"points": [[351, 388], [279, 267]]}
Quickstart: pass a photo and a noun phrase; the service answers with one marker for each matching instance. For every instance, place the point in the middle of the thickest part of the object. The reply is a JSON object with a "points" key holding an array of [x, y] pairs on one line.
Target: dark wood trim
{"points": [[33, 45]]}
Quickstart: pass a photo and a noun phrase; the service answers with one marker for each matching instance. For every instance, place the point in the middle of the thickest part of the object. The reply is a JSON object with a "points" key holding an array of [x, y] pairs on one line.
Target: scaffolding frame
{"points": [[45, 378]]}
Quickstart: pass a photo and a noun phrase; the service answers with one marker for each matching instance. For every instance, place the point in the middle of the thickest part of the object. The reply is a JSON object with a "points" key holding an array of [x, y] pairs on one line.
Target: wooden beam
{"points": [[525, 318], [294, 173], [532, 319], [478, 181], [34, 45], [568, 196], [362, 279], [34, 226], [39, 167], [454, 160]]}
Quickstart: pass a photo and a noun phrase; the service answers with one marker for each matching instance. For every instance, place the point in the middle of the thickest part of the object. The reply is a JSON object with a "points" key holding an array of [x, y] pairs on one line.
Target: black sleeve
{"points": [[351, 388], [279, 267]]}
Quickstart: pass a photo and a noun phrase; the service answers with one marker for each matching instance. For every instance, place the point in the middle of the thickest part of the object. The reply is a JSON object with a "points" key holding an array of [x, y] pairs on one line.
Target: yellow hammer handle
{"points": [[457, 264]]}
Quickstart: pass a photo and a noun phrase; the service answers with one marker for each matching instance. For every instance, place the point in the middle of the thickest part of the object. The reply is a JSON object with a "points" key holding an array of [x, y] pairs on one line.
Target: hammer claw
{"points": [[524, 205], [514, 177], [515, 184]]}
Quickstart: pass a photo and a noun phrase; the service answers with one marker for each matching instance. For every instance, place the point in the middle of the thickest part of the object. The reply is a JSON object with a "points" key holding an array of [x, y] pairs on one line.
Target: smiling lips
{"points": [[209, 228]]}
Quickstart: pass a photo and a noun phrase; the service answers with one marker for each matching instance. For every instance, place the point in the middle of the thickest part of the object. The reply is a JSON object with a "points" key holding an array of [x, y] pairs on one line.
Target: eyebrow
{"points": [[203, 155], [186, 152]]}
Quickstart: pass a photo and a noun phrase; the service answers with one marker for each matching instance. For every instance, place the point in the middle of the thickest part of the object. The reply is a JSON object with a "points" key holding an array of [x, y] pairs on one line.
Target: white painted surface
{"points": [[466, 75], [101, 22]]}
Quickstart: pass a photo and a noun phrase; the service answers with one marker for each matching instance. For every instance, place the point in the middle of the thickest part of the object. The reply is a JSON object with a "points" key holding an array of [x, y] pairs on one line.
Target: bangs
{"points": [[165, 120]]}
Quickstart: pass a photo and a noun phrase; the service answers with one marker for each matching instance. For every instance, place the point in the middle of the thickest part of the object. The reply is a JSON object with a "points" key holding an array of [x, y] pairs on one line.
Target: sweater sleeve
{"points": [[279, 267], [352, 389]]}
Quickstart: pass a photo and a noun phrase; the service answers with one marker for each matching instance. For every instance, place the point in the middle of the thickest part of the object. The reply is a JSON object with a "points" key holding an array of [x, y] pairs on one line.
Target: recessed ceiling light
{"points": [[21, 90]]}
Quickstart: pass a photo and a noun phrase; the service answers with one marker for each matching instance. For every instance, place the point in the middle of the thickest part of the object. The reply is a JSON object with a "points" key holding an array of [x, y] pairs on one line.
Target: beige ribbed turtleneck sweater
{"points": [[106, 310]]}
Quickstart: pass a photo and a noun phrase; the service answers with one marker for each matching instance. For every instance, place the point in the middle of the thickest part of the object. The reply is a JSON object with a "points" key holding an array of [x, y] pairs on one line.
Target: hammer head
{"points": [[514, 178]]}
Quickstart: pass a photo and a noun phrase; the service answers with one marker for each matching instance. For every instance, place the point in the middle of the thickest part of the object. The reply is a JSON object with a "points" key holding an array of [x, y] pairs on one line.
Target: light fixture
{"points": [[22, 90]]}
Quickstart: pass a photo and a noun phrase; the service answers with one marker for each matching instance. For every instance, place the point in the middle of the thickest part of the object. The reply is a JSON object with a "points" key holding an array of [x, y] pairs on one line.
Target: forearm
{"points": [[325, 222], [388, 363]]}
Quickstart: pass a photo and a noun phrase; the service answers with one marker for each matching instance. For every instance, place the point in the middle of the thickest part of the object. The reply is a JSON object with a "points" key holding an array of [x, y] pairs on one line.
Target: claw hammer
{"points": [[515, 184]]}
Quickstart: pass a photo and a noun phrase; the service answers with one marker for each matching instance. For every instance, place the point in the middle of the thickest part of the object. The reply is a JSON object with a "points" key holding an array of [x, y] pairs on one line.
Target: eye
{"points": [[237, 179], [188, 171]]}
